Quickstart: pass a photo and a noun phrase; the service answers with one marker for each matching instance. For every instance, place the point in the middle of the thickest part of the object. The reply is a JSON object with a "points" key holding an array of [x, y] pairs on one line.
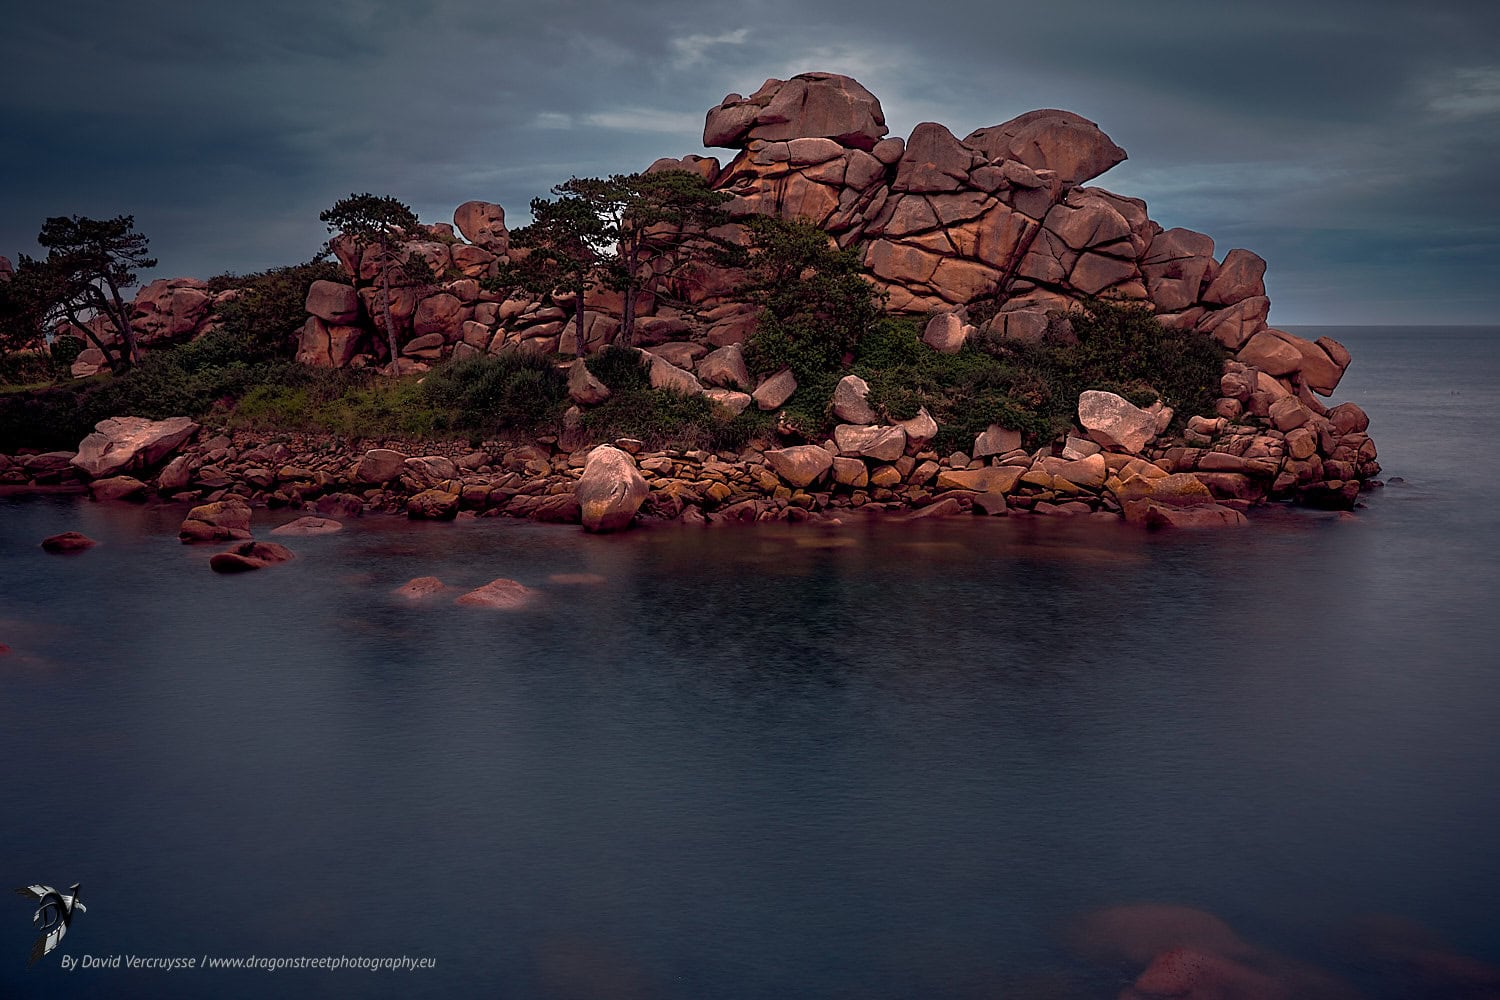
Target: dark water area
{"points": [[874, 760]]}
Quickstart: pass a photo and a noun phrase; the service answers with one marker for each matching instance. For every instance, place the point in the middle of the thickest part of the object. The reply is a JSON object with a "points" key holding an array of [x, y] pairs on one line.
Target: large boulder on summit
{"points": [[610, 491], [1049, 139], [809, 105], [483, 224], [121, 443]]}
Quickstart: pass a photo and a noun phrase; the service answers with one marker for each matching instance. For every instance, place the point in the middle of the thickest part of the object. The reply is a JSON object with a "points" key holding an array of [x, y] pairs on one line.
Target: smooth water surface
{"points": [[874, 760]]}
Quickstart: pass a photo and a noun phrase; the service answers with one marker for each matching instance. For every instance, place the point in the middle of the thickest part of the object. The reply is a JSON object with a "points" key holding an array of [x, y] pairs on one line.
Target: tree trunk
{"points": [[627, 316], [114, 361], [385, 305], [581, 349], [121, 318]]}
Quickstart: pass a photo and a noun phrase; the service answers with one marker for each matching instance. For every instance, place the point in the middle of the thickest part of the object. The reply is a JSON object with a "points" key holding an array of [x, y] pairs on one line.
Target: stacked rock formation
{"points": [[998, 233], [998, 230]]}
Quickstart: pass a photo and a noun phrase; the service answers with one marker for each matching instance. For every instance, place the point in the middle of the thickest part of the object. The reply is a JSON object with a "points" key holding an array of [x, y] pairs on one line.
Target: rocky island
{"points": [[1003, 280]]}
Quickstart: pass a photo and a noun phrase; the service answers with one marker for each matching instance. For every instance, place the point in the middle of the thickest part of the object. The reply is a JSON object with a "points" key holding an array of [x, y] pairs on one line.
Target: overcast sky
{"points": [[1353, 145]]}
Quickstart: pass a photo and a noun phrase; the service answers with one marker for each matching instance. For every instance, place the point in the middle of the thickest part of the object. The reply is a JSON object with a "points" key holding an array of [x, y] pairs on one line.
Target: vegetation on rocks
{"points": [[660, 417], [1034, 388], [815, 302]]}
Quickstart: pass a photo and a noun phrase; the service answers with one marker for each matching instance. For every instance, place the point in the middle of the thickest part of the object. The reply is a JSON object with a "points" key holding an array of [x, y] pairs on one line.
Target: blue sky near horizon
{"points": [[1351, 144]]}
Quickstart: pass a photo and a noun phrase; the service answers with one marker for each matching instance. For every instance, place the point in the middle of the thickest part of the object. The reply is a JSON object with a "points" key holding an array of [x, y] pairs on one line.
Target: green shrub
{"points": [[815, 301], [264, 318], [1034, 388], [660, 417], [509, 391], [29, 368]]}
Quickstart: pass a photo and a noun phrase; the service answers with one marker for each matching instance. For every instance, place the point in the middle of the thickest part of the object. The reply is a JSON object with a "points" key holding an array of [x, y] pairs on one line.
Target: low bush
{"points": [[660, 417], [1034, 388]]}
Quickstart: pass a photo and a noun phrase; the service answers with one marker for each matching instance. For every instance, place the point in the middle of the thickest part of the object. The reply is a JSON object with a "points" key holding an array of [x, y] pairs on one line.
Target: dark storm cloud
{"points": [[1349, 143]]}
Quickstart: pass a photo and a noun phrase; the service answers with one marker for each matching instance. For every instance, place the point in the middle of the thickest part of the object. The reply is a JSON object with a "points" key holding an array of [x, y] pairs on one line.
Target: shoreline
{"points": [[1172, 486]]}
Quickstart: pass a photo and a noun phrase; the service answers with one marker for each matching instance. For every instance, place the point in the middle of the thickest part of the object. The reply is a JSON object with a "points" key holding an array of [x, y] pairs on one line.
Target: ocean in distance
{"points": [[872, 761]]}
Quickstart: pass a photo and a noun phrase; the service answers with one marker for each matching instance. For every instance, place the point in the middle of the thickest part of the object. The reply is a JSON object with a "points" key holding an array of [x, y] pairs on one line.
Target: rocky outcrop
{"points": [[172, 310], [1000, 235], [122, 443]]}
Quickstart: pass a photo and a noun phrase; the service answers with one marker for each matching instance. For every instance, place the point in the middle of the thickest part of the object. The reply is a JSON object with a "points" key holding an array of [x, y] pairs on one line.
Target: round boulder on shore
{"points": [[610, 491], [433, 505], [68, 541], [118, 488]]}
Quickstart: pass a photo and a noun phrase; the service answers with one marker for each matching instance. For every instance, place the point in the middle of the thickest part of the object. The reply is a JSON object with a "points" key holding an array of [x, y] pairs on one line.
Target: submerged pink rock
{"points": [[420, 588], [500, 594]]}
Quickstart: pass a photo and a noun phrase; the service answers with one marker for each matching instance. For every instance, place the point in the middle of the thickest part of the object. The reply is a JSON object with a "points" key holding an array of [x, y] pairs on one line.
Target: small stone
{"points": [[583, 387], [776, 390], [849, 401], [117, 488], [801, 465], [996, 440], [1114, 421], [945, 333]]}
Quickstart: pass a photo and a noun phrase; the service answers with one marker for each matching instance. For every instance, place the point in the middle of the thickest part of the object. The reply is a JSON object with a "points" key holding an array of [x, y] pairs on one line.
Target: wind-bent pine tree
{"points": [[88, 262], [658, 224], [562, 248], [375, 222]]}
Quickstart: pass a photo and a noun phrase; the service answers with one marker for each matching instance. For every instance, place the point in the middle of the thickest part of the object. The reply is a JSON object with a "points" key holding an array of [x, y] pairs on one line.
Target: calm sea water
{"points": [[876, 761]]}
